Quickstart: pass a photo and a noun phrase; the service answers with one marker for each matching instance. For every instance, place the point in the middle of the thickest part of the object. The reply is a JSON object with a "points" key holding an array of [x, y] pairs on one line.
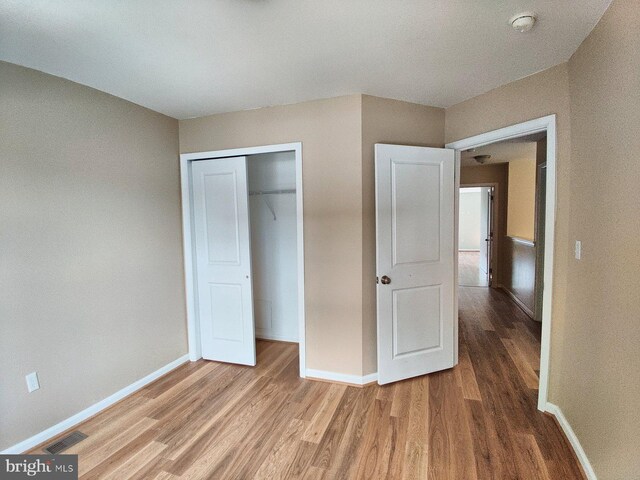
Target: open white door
{"points": [[415, 214], [223, 260], [486, 231]]}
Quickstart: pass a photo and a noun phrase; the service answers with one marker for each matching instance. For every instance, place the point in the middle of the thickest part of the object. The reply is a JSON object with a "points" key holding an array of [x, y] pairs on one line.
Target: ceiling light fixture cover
{"points": [[481, 159], [523, 22]]}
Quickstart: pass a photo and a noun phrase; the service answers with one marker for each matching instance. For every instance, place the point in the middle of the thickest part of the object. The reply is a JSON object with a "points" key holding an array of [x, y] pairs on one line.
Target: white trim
{"points": [[193, 327], [260, 334], [372, 377], [513, 131], [79, 417], [542, 124], [342, 377], [190, 285], [573, 440], [456, 254], [523, 241]]}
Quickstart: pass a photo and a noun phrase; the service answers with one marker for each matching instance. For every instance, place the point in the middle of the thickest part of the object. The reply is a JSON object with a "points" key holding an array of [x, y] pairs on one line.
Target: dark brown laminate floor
{"points": [[220, 421]]}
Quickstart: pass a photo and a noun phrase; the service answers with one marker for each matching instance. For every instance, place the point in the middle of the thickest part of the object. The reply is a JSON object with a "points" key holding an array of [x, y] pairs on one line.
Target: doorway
{"points": [[545, 127], [272, 209], [475, 235], [256, 229]]}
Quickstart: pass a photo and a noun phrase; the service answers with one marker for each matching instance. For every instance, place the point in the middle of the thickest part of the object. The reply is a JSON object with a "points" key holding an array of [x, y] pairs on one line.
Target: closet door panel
{"points": [[223, 260]]}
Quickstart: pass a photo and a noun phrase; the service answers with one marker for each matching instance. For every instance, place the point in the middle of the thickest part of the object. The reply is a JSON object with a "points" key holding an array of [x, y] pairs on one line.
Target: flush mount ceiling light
{"points": [[481, 159], [523, 22]]}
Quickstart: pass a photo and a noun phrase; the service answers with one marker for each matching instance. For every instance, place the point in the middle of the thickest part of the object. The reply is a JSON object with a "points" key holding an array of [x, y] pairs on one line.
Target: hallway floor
{"points": [[221, 421], [469, 273]]}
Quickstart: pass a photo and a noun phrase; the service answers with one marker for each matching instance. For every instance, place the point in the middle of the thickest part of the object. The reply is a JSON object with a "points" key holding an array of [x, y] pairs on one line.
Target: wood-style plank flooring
{"points": [[219, 421], [469, 274]]}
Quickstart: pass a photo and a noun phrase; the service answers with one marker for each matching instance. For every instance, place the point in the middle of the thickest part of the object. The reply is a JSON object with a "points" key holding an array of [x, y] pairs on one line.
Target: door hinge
{"points": [[377, 280], [490, 270]]}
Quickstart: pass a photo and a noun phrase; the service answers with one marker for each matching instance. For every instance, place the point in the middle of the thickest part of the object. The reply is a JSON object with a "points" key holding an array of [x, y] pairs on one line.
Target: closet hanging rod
{"points": [[272, 192]]}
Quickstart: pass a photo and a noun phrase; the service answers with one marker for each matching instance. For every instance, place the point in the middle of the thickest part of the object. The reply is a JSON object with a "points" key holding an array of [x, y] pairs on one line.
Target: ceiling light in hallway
{"points": [[523, 22], [481, 159]]}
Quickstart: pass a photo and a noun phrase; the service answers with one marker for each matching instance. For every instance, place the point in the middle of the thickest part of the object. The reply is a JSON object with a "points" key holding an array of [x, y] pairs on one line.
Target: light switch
{"points": [[578, 249], [32, 382]]}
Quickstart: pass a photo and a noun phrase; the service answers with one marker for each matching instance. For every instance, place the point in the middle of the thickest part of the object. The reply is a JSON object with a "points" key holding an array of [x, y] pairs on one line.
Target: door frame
{"points": [[193, 322], [543, 124], [494, 213], [541, 170]]}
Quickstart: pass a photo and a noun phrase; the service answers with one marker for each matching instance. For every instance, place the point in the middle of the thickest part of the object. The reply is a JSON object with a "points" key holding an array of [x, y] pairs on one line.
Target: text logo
{"points": [[44, 467]]}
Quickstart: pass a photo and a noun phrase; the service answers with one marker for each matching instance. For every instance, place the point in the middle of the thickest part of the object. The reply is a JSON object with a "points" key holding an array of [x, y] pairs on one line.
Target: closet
{"points": [[272, 207], [244, 224]]}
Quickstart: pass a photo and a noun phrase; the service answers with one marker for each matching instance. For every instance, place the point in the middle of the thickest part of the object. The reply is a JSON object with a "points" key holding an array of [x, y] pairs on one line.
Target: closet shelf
{"points": [[272, 192]]}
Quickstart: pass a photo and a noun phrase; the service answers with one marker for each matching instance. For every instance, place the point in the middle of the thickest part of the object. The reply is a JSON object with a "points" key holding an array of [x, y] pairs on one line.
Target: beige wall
{"points": [[492, 173], [91, 282], [595, 355], [330, 132], [386, 121], [600, 388], [337, 138], [536, 96], [521, 203]]}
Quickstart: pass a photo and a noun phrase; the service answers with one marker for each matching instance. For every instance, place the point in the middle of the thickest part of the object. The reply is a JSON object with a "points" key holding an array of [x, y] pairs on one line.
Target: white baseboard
{"points": [[58, 428], [573, 440], [260, 334], [341, 377], [372, 377]]}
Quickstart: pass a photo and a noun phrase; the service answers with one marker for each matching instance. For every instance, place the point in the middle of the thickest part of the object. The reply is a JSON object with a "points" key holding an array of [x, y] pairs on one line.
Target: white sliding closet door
{"points": [[223, 260]]}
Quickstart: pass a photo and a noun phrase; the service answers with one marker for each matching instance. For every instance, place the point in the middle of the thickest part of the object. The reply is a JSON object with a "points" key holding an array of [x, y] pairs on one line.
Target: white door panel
{"points": [[415, 253], [221, 217], [486, 232], [415, 194], [223, 260]]}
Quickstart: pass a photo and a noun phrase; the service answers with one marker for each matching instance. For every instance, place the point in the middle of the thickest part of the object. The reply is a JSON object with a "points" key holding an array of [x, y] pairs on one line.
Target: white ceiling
{"points": [[189, 58]]}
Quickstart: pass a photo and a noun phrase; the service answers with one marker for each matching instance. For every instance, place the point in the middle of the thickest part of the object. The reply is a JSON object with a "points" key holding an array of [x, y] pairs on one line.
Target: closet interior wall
{"points": [[272, 207]]}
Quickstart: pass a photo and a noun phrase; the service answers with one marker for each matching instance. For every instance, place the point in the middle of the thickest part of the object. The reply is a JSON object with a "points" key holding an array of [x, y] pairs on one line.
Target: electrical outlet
{"points": [[578, 250], [32, 382]]}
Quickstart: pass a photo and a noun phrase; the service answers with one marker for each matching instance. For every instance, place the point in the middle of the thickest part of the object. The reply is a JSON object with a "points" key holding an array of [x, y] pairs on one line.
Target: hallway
{"points": [[500, 344]]}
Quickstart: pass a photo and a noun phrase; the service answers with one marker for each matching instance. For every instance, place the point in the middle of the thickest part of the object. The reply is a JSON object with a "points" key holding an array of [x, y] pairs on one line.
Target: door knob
{"points": [[385, 280]]}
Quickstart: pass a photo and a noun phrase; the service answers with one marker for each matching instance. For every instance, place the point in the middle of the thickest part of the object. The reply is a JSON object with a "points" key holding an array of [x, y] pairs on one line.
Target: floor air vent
{"points": [[65, 442]]}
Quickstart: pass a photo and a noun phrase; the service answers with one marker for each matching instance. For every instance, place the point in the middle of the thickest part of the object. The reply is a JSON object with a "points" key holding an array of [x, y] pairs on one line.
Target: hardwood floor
{"points": [[219, 421], [469, 274]]}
